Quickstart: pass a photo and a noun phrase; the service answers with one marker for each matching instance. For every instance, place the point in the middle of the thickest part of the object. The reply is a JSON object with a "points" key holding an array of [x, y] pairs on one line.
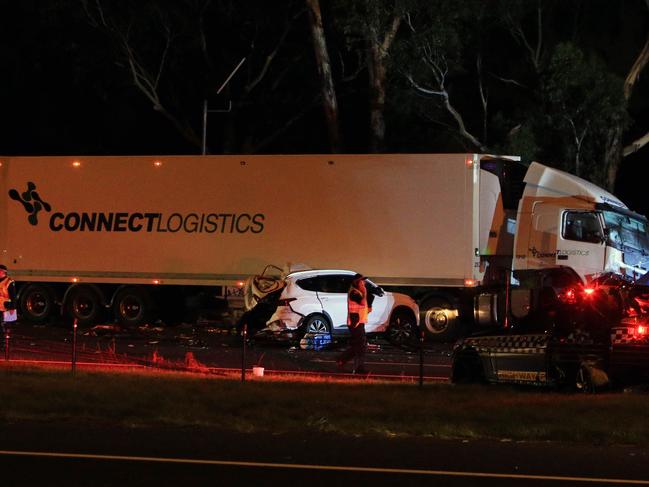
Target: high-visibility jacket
{"points": [[357, 302], [5, 294]]}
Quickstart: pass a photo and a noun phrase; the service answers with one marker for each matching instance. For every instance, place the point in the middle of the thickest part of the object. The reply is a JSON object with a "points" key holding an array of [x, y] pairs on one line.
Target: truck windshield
{"points": [[629, 235]]}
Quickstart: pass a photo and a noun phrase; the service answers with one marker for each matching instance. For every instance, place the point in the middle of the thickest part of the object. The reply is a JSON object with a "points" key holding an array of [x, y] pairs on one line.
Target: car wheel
{"points": [[317, 325], [439, 319], [402, 330], [36, 303]]}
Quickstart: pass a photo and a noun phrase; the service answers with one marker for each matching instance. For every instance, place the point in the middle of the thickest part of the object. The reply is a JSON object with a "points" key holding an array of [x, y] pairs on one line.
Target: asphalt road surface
{"points": [[213, 348], [96, 455]]}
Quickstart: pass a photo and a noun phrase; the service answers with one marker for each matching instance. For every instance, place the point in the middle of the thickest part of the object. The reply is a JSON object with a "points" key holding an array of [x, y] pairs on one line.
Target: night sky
{"points": [[66, 88]]}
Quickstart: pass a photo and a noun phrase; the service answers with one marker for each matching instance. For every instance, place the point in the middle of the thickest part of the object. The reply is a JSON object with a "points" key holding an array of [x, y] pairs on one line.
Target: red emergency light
{"points": [[641, 330], [569, 296]]}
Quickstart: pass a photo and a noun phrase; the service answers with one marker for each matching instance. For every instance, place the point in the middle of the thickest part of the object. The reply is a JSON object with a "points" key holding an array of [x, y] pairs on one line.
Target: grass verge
{"points": [[355, 407]]}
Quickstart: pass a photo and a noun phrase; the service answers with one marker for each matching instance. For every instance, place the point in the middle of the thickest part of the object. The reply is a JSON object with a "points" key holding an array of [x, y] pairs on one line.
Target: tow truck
{"points": [[561, 333]]}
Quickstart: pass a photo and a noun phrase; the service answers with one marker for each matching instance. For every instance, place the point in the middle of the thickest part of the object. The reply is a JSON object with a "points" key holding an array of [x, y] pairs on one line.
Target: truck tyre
{"points": [[132, 306], [36, 303], [83, 305], [317, 324], [402, 329], [438, 317]]}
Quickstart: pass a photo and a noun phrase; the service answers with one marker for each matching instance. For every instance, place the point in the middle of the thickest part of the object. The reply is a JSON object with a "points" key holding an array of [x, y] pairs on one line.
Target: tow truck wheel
{"points": [[467, 369], [590, 379], [439, 319]]}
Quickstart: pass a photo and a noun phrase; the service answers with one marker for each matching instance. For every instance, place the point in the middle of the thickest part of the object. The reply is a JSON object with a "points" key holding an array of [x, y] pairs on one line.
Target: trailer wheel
{"points": [[402, 330], [317, 324], [83, 305], [36, 303], [439, 319], [132, 306]]}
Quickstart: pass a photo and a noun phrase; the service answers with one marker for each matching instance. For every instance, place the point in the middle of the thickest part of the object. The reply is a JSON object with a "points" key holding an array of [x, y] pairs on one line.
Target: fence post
{"points": [[243, 352], [7, 334], [421, 358], [74, 346]]}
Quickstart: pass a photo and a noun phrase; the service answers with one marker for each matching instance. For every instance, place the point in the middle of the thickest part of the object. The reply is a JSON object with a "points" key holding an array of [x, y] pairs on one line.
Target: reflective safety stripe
{"points": [[510, 343], [360, 308], [627, 336], [4, 293]]}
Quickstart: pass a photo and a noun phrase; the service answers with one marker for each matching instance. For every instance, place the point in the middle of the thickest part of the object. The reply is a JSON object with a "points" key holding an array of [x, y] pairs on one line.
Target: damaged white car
{"points": [[315, 301]]}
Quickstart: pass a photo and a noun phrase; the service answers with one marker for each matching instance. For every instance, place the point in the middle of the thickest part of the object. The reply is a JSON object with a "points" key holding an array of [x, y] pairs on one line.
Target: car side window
{"points": [[582, 226], [336, 283], [310, 284]]}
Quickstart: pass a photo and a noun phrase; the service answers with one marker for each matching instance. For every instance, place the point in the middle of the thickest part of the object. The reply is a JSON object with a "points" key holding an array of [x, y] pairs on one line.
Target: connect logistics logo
{"points": [[31, 201], [137, 221]]}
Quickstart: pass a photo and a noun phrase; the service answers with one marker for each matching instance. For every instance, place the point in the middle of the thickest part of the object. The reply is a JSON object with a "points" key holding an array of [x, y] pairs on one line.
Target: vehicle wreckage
{"points": [[562, 333]]}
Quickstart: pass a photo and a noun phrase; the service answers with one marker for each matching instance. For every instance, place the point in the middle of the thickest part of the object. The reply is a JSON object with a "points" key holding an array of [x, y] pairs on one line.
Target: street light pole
{"points": [[206, 111]]}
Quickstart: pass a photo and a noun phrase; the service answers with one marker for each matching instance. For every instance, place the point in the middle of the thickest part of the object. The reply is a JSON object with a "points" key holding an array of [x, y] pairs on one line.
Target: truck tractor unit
{"points": [[562, 333]]}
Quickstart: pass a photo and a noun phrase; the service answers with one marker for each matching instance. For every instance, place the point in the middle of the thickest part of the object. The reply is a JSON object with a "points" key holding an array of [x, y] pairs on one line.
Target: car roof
{"points": [[318, 272]]}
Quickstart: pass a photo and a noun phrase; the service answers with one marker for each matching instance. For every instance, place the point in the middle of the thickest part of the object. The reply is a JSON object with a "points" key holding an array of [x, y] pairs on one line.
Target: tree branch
{"points": [[634, 73], [390, 34], [451, 109], [636, 145], [269, 59]]}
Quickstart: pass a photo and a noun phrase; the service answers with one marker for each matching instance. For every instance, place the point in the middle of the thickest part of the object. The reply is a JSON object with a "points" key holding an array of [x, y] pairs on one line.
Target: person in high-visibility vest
{"points": [[358, 310], [7, 292]]}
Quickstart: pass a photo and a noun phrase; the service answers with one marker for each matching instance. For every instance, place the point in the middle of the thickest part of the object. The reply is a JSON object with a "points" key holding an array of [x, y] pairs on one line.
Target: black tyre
{"points": [[83, 305], [317, 324], [439, 320], [132, 306], [403, 330], [467, 369], [36, 303]]}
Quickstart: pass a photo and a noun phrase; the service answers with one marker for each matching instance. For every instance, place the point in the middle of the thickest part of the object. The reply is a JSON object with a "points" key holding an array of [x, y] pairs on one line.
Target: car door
{"points": [[332, 293], [581, 245]]}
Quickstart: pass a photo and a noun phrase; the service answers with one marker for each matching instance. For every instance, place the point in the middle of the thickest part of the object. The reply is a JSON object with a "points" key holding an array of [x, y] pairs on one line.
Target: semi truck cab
{"points": [[566, 221]]}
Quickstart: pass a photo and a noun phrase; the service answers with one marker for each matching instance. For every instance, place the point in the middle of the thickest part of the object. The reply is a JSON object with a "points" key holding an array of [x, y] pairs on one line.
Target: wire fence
{"points": [[228, 353]]}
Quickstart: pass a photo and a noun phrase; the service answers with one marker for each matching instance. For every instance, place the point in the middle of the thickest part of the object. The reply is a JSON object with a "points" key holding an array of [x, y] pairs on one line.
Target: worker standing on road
{"points": [[7, 295], [358, 310]]}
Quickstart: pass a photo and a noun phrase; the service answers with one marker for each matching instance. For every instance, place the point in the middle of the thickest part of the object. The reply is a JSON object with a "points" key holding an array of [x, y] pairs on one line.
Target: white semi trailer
{"points": [[131, 235]]}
